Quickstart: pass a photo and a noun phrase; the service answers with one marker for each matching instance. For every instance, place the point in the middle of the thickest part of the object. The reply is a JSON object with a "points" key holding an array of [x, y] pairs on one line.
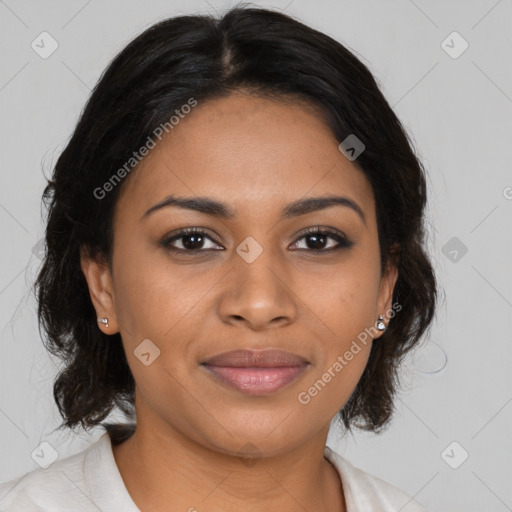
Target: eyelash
{"points": [[340, 238]]}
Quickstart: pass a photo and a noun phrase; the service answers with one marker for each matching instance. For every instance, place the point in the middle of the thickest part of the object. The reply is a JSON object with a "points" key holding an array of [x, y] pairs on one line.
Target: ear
{"points": [[99, 279], [387, 286]]}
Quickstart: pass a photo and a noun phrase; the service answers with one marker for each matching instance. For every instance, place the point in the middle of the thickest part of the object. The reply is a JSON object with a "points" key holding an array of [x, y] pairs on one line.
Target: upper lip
{"points": [[268, 358]]}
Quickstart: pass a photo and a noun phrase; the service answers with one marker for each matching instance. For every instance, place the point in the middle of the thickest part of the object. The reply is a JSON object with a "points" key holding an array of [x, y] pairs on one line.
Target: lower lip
{"points": [[257, 381]]}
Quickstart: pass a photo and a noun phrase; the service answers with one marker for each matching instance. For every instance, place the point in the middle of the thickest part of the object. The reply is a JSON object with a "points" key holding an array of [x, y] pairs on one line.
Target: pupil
{"points": [[196, 241], [316, 238]]}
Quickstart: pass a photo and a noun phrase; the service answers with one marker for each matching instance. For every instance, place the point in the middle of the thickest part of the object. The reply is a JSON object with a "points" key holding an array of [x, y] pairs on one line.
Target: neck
{"points": [[166, 471]]}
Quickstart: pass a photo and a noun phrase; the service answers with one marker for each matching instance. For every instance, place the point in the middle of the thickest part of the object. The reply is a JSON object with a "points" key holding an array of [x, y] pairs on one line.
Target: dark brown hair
{"points": [[202, 57]]}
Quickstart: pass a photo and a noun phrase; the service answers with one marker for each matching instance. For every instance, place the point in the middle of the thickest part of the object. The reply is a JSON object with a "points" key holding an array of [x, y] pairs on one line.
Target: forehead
{"points": [[249, 152]]}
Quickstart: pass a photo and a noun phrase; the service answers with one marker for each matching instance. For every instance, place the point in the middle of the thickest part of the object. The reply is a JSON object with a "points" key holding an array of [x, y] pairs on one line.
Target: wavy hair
{"points": [[269, 54]]}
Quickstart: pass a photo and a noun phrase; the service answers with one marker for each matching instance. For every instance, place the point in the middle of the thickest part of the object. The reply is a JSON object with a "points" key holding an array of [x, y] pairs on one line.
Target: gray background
{"points": [[458, 113]]}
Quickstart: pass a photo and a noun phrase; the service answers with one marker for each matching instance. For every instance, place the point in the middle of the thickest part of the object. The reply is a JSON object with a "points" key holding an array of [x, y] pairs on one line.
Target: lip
{"points": [[245, 358], [256, 372]]}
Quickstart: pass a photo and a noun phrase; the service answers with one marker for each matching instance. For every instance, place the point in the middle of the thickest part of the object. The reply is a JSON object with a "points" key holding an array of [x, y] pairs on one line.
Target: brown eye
{"points": [[317, 240], [190, 239]]}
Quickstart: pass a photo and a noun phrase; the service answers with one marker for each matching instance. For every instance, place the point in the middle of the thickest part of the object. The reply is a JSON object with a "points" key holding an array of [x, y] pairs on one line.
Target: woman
{"points": [[234, 258]]}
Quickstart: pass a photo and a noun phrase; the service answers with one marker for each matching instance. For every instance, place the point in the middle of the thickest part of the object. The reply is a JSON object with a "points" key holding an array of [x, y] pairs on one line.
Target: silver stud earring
{"points": [[380, 323], [103, 321]]}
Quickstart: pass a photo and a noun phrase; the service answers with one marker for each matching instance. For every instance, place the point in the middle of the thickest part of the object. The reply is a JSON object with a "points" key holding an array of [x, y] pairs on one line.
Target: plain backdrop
{"points": [[449, 444]]}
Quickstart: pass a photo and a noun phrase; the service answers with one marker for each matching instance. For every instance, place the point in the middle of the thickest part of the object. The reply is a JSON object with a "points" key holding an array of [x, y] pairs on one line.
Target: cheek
{"points": [[155, 299], [344, 301], [344, 296], [139, 283]]}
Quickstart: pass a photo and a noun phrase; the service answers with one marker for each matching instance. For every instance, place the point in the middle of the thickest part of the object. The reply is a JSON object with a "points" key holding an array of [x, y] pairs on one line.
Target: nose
{"points": [[259, 294]]}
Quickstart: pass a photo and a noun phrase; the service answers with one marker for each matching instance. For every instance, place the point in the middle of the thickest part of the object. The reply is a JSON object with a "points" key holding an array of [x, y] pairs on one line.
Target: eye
{"points": [[190, 239], [193, 240], [317, 240]]}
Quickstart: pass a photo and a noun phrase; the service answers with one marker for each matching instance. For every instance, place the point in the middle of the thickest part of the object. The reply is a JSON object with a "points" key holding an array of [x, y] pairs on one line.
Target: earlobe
{"points": [[99, 280]]}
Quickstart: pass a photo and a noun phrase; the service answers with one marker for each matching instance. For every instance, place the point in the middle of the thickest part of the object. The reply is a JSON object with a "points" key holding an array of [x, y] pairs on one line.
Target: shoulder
{"points": [[63, 486], [364, 491]]}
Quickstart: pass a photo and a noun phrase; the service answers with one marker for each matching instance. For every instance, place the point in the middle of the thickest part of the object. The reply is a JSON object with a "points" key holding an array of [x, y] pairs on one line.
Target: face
{"points": [[252, 280]]}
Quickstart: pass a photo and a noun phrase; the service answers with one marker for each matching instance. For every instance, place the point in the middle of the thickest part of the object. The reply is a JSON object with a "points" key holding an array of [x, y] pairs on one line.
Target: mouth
{"points": [[256, 373]]}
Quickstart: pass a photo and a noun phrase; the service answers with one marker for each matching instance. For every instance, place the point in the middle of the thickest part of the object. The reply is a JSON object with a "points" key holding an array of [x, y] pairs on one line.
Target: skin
{"points": [[256, 155]]}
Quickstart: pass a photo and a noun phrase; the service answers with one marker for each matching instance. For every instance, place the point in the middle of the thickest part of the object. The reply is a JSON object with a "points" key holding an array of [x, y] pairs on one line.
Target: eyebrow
{"points": [[209, 206]]}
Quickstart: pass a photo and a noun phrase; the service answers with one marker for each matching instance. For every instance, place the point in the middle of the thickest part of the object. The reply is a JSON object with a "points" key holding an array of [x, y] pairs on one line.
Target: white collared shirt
{"points": [[90, 481]]}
